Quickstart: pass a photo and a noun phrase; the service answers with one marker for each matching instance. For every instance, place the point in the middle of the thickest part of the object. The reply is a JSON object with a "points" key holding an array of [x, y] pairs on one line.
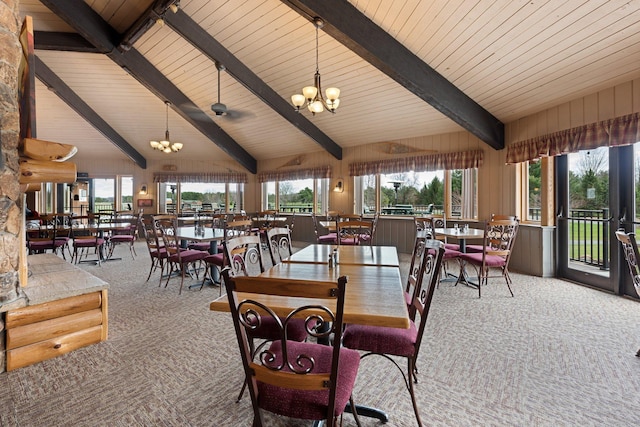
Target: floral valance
{"points": [[232, 177], [295, 174], [425, 163], [623, 130]]}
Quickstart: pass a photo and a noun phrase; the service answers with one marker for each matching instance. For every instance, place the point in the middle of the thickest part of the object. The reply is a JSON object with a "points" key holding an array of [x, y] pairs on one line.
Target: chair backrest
{"points": [[415, 265], [355, 229], [315, 224], [166, 228], [279, 239], [499, 237], [429, 276], [239, 227], [289, 369], [429, 226], [349, 217], [150, 234], [439, 220], [498, 217], [630, 250], [244, 254]]}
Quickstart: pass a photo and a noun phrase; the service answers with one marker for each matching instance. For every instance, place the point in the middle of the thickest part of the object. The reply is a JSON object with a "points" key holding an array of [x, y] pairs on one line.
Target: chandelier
{"points": [[166, 145], [312, 95]]}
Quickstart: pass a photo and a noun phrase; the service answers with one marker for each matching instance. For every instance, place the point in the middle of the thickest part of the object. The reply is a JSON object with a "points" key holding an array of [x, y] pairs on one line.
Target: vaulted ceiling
{"points": [[406, 68]]}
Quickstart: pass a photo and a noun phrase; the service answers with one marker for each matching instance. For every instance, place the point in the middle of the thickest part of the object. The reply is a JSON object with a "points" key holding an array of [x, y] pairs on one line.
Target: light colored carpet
{"points": [[557, 354]]}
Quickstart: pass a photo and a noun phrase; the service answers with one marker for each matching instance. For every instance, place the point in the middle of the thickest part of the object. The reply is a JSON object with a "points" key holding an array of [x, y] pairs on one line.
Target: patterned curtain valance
{"points": [[623, 130], [291, 175], [430, 162], [233, 177]]}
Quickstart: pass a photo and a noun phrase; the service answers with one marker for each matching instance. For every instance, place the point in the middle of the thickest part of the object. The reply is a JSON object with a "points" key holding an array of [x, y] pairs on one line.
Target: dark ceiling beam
{"points": [[353, 29], [55, 83], [209, 46], [69, 42], [93, 28], [144, 22]]}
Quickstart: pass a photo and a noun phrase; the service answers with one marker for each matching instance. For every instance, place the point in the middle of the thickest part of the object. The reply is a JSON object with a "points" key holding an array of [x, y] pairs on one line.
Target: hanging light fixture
{"points": [[166, 145], [312, 95]]}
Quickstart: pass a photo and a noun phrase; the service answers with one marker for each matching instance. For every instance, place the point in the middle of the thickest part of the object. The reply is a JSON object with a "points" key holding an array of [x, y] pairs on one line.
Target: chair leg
{"points": [[410, 363]]}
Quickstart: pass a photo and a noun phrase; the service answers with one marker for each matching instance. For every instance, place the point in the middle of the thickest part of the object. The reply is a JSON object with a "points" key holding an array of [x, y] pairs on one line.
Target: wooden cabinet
{"points": [[42, 331]]}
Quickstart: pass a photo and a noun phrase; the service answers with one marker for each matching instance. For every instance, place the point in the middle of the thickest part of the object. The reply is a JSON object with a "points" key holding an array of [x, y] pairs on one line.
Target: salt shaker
{"points": [[335, 256], [330, 262]]}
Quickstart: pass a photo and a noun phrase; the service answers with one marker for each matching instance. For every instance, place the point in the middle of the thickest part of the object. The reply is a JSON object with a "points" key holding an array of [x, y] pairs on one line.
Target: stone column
{"points": [[10, 194]]}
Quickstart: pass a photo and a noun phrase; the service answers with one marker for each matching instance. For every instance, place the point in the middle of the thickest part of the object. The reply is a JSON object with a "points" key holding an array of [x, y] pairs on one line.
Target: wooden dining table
{"points": [[460, 234], [347, 255]]}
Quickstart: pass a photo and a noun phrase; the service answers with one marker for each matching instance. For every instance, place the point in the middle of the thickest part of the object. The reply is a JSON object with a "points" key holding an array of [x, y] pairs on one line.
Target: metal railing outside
{"points": [[589, 233]]}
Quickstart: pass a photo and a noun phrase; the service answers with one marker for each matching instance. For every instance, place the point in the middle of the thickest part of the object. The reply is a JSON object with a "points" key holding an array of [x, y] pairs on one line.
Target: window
{"points": [[103, 194], [126, 193], [191, 196], [300, 195], [533, 199], [418, 193]]}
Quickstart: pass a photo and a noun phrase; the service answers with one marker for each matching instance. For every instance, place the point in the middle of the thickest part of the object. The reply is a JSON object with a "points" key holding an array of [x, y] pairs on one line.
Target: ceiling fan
{"points": [[219, 108]]}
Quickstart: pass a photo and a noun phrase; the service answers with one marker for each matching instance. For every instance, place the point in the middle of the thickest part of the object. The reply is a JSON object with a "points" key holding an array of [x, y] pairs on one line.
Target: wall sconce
{"points": [[339, 188], [143, 190]]}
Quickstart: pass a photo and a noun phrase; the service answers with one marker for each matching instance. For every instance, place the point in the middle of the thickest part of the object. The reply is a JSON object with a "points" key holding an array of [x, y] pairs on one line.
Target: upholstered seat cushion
{"points": [[39, 245], [452, 246], [122, 238], [349, 241], [88, 243], [215, 259], [450, 254], [474, 248], [159, 253], [270, 330], [490, 260], [328, 238], [382, 340], [189, 255], [200, 246], [310, 405]]}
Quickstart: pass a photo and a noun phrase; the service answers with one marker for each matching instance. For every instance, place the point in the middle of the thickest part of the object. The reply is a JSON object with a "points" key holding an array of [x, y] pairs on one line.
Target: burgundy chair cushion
{"points": [[490, 260], [215, 259], [450, 253], [452, 246], [310, 405], [122, 238], [381, 340], [188, 256], [88, 243], [269, 330], [159, 253], [474, 248], [41, 245], [350, 241], [328, 238], [200, 246]]}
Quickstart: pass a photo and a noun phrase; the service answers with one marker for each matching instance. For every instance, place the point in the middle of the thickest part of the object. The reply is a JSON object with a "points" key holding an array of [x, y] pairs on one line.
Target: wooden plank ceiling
{"points": [[510, 58]]}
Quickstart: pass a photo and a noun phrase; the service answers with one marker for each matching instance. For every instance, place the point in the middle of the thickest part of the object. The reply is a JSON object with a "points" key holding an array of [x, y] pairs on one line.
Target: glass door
{"points": [[629, 188], [585, 221]]}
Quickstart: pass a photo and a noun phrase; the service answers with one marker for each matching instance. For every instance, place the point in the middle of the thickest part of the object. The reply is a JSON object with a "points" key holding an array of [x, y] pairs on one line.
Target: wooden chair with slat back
{"points": [[157, 252], [632, 256], [302, 380], [180, 260], [324, 238], [350, 232], [279, 241], [499, 238], [391, 343]]}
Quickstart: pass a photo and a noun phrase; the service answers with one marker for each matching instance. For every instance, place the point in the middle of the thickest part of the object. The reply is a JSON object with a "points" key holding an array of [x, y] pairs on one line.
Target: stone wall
{"points": [[10, 194]]}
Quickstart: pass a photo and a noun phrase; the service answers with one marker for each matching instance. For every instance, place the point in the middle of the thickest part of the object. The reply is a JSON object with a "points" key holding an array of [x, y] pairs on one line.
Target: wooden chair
{"points": [[86, 238], [157, 252], [631, 254], [179, 259], [451, 254], [415, 265], [301, 380], [279, 240], [244, 254], [368, 237], [499, 237], [351, 232], [478, 248], [395, 342], [125, 237], [40, 239], [327, 238]]}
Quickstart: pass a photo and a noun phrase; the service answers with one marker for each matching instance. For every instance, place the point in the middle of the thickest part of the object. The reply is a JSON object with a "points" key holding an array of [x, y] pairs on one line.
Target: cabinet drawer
{"points": [[40, 331], [53, 309], [43, 350]]}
